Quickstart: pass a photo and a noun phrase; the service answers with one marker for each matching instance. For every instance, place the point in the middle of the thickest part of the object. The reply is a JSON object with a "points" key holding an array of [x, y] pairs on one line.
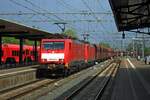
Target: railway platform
{"points": [[132, 81], [11, 78]]}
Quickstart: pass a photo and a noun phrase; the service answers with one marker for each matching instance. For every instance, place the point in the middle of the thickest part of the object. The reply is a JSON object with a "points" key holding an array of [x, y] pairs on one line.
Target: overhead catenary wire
{"points": [[19, 4], [44, 14], [49, 14], [26, 7], [90, 9], [69, 21], [43, 10], [61, 20], [85, 13], [68, 6], [85, 3], [99, 2]]}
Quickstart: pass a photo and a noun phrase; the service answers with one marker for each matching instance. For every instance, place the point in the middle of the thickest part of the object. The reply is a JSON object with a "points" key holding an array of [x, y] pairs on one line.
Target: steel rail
{"points": [[106, 81]]}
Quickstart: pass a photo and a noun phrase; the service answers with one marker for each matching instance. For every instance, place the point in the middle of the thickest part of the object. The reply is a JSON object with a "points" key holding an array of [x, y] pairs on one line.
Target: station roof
{"points": [[13, 29], [131, 14]]}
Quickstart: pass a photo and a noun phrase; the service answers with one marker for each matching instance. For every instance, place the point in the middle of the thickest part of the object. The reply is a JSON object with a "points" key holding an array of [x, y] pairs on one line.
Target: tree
{"points": [[147, 51], [71, 33], [10, 40], [129, 47], [138, 48], [13, 40]]}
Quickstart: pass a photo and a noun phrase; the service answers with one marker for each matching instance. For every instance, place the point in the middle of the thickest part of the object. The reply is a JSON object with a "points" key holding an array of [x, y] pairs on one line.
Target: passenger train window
{"points": [[53, 45], [27, 52], [23, 52], [15, 53], [31, 53]]}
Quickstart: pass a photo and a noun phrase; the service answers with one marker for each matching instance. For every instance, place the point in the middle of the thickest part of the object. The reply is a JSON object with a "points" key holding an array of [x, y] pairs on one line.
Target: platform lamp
{"points": [[123, 35]]}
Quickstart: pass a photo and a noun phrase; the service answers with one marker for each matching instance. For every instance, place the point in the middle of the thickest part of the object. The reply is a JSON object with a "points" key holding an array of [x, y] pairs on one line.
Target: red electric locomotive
{"points": [[61, 54]]}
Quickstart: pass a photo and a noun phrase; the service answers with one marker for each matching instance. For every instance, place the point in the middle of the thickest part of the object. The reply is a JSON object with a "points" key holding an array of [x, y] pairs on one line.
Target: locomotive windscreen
{"points": [[53, 45]]}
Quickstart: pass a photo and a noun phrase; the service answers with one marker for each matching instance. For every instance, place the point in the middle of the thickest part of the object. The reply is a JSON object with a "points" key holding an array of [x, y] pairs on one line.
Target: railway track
{"points": [[27, 88], [106, 82], [85, 92]]}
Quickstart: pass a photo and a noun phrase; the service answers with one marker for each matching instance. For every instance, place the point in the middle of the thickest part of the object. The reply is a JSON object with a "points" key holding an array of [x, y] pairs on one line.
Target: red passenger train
{"points": [[70, 54], [10, 53]]}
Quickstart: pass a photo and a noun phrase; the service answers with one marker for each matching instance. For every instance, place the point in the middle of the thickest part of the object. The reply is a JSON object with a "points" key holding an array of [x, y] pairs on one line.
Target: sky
{"points": [[42, 14]]}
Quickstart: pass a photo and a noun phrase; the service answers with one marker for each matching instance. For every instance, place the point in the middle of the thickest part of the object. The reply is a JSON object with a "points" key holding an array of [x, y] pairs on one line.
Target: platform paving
{"points": [[132, 81]]}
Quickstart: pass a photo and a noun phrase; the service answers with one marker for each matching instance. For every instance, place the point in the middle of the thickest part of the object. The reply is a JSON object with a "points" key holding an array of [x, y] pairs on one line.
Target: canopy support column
{"points": [[35, 51], [1, 52], [21, 51]]}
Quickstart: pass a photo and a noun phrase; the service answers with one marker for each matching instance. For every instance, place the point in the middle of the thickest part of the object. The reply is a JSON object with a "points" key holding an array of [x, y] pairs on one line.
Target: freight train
{"points": [[10, 53], [67, 55]]}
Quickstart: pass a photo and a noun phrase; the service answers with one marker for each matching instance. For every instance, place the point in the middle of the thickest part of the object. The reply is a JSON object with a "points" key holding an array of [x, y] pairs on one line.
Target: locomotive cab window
{"points": [[27, 52], [53, 45]]}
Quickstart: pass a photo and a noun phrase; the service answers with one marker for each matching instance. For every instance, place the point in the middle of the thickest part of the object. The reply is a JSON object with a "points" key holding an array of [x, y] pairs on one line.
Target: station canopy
{"points": [[131, 14], [13, 29]]}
